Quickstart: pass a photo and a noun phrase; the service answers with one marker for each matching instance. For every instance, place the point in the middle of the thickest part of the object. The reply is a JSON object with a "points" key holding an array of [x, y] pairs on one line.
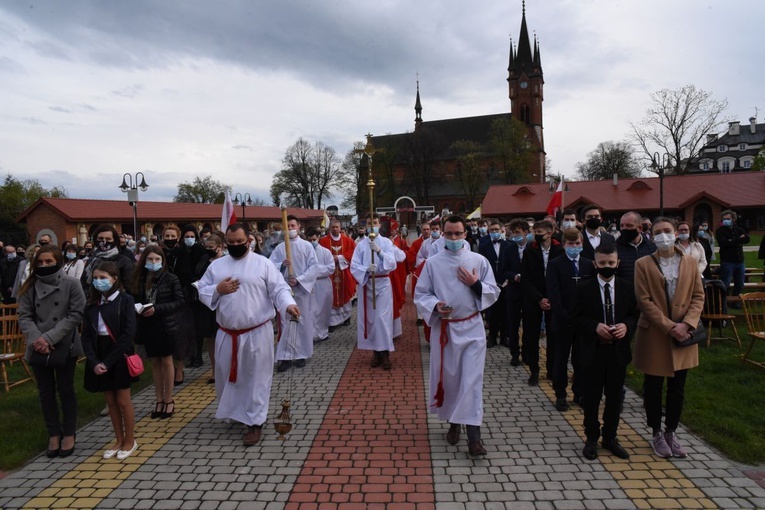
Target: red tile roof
{"points": [[80, 209], [736, 190]]}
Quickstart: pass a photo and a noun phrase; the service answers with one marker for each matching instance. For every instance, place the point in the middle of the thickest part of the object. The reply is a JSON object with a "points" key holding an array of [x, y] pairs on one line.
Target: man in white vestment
{"points": [[301, 280], [244, 288], [321, 297], [375, 323], [435, 235], [454, 287]]}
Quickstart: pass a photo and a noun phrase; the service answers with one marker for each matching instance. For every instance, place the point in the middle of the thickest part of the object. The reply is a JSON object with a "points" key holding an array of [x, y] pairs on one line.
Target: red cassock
{"points": [[343, 283], [411, 258], [398, 279]]}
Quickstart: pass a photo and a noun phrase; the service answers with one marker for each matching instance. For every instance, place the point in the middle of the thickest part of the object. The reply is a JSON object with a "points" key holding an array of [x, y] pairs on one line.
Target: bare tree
{"points": [[677, 123], [327, 170], [607, 159], [508, 139], [308, 174], [351, 185], [421, 152], [470, 174]]}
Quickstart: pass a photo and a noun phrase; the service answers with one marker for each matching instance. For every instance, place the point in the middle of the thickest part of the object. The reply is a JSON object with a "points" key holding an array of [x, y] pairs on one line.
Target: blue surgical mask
{"points": [[435, 234], [315, 243], [453, 244], [375, 230], [143, 239], [529, 237], [494, 236], [701, 233], [573, 251], [102, 285], [10, 256], [683, 237], [154, 267], [71, 256], [483, 230], [727, 222], [518, 239], [189, 241]]}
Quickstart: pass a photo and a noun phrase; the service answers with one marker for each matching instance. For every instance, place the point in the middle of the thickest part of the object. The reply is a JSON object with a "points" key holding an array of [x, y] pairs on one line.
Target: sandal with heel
{"points": [[159, 411], [169, 409]]}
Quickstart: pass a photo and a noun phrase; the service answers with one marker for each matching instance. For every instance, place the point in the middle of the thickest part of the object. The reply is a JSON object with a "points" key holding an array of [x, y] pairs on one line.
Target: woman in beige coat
{"points": [[656, 354]]}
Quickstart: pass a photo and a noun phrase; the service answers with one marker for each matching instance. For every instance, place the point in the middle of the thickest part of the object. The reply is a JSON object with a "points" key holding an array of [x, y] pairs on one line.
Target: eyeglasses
{"points": [[453, 234]]}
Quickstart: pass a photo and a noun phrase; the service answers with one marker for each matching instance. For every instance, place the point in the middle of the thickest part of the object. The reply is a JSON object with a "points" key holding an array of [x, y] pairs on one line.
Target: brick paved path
{"points": [[361, 439]]}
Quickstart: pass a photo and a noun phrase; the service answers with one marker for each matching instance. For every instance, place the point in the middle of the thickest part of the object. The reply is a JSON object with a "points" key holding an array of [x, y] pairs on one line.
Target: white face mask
{"points": [[293, 234], [569, 224], [664, 241]]}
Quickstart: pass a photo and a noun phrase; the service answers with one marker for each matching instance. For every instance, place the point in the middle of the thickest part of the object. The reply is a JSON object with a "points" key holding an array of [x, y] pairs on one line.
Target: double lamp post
{"points": [[131, 186]]}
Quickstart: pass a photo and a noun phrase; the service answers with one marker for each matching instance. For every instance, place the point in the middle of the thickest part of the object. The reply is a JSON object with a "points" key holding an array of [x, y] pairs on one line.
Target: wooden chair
{"points": [[11, 309], [14, 346], [754, 307], [716, 309]]}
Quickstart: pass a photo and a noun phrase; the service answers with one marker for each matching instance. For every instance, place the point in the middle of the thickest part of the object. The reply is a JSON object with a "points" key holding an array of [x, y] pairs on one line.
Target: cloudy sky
{"points": [[177, 89]]}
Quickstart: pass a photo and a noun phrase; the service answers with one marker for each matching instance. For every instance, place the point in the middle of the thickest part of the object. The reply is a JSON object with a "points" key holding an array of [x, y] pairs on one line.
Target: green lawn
{"points": [[22, 430]]}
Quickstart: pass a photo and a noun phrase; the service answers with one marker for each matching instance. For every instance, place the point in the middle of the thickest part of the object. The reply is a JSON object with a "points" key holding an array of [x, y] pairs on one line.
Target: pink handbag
{"points": [[135, 365]]}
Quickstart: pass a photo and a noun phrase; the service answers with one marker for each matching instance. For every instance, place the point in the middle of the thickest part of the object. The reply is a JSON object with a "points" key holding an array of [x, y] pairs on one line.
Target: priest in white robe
{"points": [[375, 324], [454, 286], [321, 297], [244, 289], [300, 348]]}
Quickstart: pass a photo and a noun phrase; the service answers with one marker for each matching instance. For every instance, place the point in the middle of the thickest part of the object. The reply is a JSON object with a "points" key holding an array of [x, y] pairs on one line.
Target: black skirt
{"points": [[116, 378]]}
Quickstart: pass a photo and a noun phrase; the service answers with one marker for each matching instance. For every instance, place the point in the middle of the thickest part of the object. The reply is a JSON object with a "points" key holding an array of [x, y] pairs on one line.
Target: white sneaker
{"points": [[124, 454], [108, 454]]}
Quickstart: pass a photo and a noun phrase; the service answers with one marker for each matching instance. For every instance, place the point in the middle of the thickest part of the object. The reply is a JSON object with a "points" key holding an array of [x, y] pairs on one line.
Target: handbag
{"points": [[134, 364], [698, 335], [58, 354]]}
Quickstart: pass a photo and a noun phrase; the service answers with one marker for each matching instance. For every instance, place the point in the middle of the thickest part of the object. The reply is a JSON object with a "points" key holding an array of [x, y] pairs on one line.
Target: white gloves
{"points": [[372, 269], [374, 247]]}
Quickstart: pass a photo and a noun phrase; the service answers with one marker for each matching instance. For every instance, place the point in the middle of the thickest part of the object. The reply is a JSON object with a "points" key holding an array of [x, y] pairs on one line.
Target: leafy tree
{"points": [[469, 156], [201, 191], [677, 123], [421, 151], [308, 174], [508, 140], [759, 161], [16, 195], [607, 159]]}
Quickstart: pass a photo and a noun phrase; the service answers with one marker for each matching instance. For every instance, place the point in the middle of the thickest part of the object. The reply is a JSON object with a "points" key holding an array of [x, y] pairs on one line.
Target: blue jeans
{"points": [[735, 271]]}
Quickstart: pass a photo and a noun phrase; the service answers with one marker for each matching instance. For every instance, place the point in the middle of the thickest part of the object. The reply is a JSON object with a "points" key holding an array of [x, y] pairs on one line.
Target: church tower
{"points": [[525, 84]]}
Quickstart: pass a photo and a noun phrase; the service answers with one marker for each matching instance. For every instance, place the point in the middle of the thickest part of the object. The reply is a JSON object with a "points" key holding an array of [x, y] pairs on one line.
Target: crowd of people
{"points": [[587, 287]]}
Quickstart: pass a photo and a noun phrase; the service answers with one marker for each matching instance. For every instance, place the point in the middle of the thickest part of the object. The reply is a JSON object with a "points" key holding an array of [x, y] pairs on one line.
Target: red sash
{"points": [[444, 339], [234, 334], [365, 301]]}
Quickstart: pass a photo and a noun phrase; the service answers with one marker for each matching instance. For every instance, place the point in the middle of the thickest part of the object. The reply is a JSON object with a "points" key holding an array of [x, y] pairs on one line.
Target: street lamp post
{"points": [[131, 187], [244, 200], [658, 164]]}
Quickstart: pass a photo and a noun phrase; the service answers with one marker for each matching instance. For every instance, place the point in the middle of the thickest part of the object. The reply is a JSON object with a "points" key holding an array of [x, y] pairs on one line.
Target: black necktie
{"points": [[608, 304], [575, 268]]}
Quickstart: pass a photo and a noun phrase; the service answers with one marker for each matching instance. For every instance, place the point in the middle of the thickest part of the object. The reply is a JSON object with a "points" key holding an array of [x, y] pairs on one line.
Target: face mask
{"points": [[683, 237], [573, 251], [593, 223], [315, 243], [519, 239], [435, 234], [105, 245], [10, 256], [473, 229], [237, 250], [629, 234], [502, 236], [154, 267], [727, 222], [664, 240], [71, 256], [539, 238], [375, 230], [701, 233], [102, 285], [606, 272], [170, 243], [613, 231], [140, 250], [494, 236], [211, 253], [453, 244], [529, 237], [293, 234], [47, 271], [483, 230], [43, 243], [143, 239], [189, 241], [569, 224], [704, 227]]}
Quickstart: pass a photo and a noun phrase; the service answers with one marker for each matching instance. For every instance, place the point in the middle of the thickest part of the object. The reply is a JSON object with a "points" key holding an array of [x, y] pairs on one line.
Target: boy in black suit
{"points": [[494, 249], [605, 316], [518, 229]]}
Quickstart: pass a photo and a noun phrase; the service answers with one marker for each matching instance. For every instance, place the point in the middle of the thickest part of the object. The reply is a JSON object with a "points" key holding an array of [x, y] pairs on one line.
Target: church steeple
{"points": [[418, 109]]}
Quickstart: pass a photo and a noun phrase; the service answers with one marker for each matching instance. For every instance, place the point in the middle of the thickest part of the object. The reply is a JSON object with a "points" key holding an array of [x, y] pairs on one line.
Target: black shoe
{"points": [[419, 322], [177, 383], [332, 328], [66, 453], [590, 451], [476, 449], [561, 404], [300, 363], [284, 365], [54, 453], [453, 436], [347, 322], [614, 447], [515, 362], [159, 410], [534, 380]]}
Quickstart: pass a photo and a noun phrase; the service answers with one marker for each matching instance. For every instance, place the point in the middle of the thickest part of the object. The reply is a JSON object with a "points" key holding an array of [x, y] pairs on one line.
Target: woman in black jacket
{"points": [[107, 337], [159, 291], [107, 249]]}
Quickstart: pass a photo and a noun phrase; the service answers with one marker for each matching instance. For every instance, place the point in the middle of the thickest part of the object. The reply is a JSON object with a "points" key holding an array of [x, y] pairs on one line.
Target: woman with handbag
{"points": [[107, 339], [50, 309], [671, 298], [160, 293]]}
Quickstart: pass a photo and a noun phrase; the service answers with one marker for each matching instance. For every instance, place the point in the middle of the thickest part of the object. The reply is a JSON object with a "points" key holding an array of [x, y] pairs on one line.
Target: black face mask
{"points": [[540, 238], [629, 234], [606, 272], [212, 253], [105, 245], [47, 271], [593, 223], [237, 250], [43, 243], [170, 243]]}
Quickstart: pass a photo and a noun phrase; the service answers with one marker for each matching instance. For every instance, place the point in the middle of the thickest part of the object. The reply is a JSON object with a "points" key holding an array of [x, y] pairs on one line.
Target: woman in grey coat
{"points": [[51, 306]]}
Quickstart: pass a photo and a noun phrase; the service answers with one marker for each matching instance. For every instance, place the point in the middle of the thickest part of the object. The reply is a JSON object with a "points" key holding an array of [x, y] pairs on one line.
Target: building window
{"points": [[525, 114], [722, 148], [726, 167], [742, 146], [747, 163], [704, 166]]}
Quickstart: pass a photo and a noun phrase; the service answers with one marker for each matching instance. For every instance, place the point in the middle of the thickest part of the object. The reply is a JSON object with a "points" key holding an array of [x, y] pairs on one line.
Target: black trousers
{"points": [[565, 348], [604, 376], [532, 324], [49, 381], [652, 388], [497, 318], [514, 314]]}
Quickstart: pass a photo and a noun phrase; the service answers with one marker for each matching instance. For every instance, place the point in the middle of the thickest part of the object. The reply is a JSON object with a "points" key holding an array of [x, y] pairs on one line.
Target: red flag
{"points": [[228, 216], [556, 202]]}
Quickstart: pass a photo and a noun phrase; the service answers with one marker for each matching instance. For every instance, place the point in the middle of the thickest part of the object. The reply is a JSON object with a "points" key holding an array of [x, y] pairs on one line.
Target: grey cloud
{"points": [[241, 147], [59, 109], [128, 92], [8, 66], [34, 120]]}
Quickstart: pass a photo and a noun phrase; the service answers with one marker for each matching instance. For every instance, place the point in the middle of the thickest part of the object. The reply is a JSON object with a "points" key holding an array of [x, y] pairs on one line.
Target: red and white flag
{"points": [[556, 202], [228, 216]]}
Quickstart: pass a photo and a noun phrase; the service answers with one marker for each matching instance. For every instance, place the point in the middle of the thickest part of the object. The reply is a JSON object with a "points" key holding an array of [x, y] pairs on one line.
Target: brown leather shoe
{"points": [[386, 364], [476, 449], [453, 436], [252, 437], [376, 359]]}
